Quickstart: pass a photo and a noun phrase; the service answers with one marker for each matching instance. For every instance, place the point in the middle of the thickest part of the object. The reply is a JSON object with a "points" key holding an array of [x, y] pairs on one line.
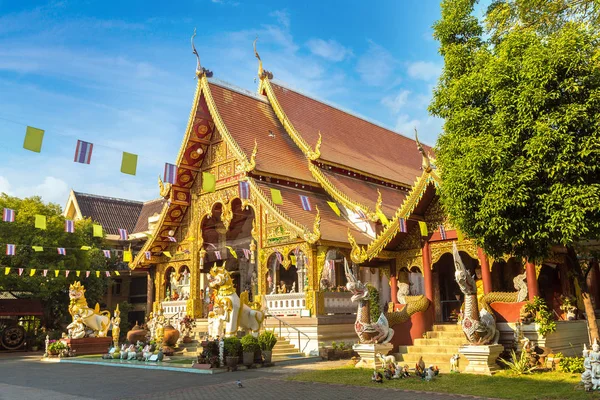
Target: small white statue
{"points": [[123, 351], [454, 363], [216, 322], [429, 373], [293, 290], [146, 353], [586, 377], [76, 328], [131, 353], [403, 291], [595, 364], [386, 360]]}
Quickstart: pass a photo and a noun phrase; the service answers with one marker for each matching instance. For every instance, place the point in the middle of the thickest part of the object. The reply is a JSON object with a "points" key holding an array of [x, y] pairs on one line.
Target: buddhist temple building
{"points": [[284, 189]]}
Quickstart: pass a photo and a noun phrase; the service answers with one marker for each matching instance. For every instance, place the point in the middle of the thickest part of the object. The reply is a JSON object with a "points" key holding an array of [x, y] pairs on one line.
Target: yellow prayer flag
{"points": [[117, 273], [33, 139], [77, 273], [167, 254], [129, 163], [208, 182], [32, 272], [40, 221], [97, 274], [97, 230], [233, 253], [334, 207], [6, 270], [423, 227], [56, 272], [86, 248], [383, 218], [460, 235], [276, 197], [127, 256], [37, 248]]}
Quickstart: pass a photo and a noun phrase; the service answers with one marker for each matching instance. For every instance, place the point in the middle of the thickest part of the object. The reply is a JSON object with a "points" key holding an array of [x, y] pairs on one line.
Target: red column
{"points": [[532, 284], [427, 272], [486, 275], [393, 282]]}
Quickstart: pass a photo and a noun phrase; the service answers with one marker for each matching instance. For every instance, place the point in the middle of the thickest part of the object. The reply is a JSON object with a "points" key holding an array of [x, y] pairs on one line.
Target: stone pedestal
{"points": [[368, 354], [93, 345], [482, 359]]}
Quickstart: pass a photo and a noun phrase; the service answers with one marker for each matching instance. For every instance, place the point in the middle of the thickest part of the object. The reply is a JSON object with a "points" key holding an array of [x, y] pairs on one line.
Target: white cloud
{"points": [[328, 49], [429, 127], [4, 185], [51, 189], [283, 18], [395, 103], [424, 70], [376, 65]]}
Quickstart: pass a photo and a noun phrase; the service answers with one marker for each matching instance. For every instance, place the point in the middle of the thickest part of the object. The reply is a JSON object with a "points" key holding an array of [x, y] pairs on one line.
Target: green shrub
{"points": [[373, 302], [267, 340], [571, 364], [518, 365], [250, 344], [232, 346]]}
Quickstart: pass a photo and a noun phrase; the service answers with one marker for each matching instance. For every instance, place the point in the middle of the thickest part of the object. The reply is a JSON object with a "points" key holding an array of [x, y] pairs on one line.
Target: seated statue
{"points": [[76, 328]]}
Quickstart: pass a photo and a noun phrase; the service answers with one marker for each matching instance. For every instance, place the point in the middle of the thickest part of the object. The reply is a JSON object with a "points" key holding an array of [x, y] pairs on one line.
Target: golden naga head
{"points": [[76, 291]]}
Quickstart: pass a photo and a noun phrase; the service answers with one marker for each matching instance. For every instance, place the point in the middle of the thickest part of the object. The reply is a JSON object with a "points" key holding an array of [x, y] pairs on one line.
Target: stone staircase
{"points": [[284, 350], [436, 348]]}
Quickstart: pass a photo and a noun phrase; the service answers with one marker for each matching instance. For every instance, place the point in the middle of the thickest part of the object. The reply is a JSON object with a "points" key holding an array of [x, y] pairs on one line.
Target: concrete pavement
{"points": [[33, 380]]}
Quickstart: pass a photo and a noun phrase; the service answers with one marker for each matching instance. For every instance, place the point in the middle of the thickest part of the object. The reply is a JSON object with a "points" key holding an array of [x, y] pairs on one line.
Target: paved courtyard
{"points": [[32, 380]]}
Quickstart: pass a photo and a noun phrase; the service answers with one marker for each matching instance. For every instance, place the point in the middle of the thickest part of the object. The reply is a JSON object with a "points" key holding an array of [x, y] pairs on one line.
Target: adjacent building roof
{"points": [[150, 208]]}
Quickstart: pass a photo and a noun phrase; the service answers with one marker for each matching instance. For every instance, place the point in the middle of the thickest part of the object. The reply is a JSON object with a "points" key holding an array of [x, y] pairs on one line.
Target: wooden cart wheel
{"points": [[13, 337]]}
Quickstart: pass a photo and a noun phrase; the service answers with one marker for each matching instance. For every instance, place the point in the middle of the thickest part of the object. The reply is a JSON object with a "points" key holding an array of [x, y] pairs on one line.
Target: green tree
{"points": [[51, 290], [520, 151]]}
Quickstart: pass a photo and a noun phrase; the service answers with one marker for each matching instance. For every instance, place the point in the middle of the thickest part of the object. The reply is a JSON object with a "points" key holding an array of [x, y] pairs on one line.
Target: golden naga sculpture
{"points": [[313, 155], [262, 73], [164, 189], [199, 69], [98, 321], [236, 312]]}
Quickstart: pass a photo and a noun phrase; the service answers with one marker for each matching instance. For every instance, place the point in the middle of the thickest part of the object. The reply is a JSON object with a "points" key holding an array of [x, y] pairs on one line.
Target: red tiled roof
{"points": [[351, 141], [109, 212], [250, 117], [148, 209], [333, 228], [366, 192]]}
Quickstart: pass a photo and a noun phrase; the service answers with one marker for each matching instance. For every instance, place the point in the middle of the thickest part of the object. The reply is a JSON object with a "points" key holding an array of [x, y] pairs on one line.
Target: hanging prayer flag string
{"points": [[83, 152]]}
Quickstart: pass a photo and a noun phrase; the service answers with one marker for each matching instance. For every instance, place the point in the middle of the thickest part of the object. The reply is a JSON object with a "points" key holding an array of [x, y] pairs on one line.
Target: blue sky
{"points": [[121, 75]]}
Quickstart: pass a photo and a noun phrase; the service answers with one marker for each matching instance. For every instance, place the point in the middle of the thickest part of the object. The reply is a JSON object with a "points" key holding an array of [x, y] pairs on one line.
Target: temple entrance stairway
{"points": [[436, 348], [282, 352]]}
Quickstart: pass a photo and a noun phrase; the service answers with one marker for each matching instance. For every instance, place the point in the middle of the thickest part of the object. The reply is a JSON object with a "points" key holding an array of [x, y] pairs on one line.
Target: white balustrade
{"points": [[173, 308], [339, 303], [286, 303]]}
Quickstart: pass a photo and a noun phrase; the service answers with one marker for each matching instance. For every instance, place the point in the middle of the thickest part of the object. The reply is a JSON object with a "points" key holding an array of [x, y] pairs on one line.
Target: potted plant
{"points": [[267, 341], [249, 347], [56, 347], [232, 348], [326, 352], [569, 307], [185, 326], [338, 349]]}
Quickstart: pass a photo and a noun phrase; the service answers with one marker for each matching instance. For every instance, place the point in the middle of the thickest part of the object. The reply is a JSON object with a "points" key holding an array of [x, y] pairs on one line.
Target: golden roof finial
{"points": [[252, 164], [199, 69], [164, 189], [313, 155], [312, 237], [262, 73], [426, 163], [358, 253]]}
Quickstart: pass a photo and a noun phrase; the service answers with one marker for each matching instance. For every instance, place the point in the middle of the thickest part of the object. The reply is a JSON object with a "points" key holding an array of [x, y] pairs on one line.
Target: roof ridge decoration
{"points": [[426, 163], [200, 71], [262, 73], [379, 210], [300, 230], [359, 254], [164, 188], [98, 196]]}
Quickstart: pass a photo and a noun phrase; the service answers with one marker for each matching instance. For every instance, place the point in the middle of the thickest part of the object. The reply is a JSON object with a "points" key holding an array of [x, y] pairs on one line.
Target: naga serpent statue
{"points": [[479, 326], [380, 331]]}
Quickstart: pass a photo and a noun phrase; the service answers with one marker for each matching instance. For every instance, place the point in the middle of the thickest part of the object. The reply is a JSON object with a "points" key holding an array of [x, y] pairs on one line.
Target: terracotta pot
{"points": [[171, 335], [136, 333]]}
